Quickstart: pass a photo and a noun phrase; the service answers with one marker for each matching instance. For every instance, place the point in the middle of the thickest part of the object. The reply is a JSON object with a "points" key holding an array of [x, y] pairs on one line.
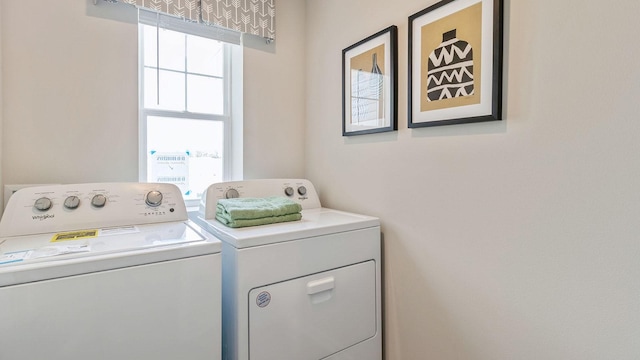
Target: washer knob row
{"points": [[71, 202]]}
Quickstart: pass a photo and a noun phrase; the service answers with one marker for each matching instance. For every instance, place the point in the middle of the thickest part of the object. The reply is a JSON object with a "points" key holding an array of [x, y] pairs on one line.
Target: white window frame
{"points": [[232, 113]]}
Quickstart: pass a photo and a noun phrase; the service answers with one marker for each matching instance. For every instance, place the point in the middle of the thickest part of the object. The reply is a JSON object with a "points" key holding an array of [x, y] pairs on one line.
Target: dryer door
{"points": [[312, 317]]}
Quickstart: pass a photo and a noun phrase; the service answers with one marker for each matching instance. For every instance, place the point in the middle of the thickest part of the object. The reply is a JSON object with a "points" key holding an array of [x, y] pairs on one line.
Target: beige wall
{"points": [[505, 240], [69, 79], [70, 94], [274, 100]]}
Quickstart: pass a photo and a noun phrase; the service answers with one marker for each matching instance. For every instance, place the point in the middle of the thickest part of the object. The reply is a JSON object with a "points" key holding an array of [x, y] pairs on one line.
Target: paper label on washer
{"points": [[120, 230], [15, 256], [55, 250], [74, 235]]}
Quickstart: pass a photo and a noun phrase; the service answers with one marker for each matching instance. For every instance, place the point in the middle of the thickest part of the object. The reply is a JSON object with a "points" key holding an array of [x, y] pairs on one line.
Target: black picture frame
{"points": [[370, 83], [455, 63]]}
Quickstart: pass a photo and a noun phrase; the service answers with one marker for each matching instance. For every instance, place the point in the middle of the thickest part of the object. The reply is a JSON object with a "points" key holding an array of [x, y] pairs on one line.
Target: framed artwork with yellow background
{"points": [[455, 63], [369, 84]]}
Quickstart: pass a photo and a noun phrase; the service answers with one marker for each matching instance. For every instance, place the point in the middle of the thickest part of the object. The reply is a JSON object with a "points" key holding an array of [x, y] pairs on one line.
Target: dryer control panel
{"points": [[301, 191], [52, 208]]}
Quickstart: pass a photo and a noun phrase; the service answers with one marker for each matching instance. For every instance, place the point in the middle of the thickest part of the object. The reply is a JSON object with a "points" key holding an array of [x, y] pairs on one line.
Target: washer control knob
{"points": [[153, 198], [99, 200], [43, 204], [302, 190], [288, 191], [72, 202], [231, 194]]}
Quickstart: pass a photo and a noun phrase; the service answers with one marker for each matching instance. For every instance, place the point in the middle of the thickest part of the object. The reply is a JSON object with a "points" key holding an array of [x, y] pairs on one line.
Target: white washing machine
{"points": [[301, 290], [107, 271]]}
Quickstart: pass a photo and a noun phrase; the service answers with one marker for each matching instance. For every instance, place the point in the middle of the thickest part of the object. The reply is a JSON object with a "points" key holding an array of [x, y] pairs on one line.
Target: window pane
{"points": [[172, 47], [171, 90], [205, 95], [204, 56], [150, 46], [185, 152]]}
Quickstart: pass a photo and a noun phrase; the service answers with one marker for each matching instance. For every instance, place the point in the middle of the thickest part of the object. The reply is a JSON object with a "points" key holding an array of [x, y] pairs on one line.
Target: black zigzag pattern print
{"points": [[450, 69]]}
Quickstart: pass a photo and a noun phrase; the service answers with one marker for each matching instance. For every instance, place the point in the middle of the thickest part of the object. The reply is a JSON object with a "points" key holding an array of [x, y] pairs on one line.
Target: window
{"points": [[186, 103]]}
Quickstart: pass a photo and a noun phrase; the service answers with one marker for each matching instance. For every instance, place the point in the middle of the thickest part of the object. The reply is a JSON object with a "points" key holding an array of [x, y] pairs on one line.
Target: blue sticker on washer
{"points": [[263, 299]]}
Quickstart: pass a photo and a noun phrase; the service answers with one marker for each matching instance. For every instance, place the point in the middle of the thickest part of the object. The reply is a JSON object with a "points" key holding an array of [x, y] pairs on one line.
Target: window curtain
{"points": [[257, 17], [154, 18], [187, 9]]}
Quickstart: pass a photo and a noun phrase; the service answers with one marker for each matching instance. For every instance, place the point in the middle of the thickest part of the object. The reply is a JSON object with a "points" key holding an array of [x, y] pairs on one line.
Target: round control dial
{"points": [[72, 202], [302, 190], [288, 191], [153, 198], [43, 204], [231, 194], [99, 200]]}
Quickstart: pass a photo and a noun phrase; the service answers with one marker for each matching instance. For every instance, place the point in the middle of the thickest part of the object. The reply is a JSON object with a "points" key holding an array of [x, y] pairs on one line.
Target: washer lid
{"points": [[47, 256], [314, 222]]}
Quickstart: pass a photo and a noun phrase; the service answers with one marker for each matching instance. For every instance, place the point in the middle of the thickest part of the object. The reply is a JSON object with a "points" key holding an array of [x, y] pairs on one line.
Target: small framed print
{"points": [[455, 63], [369, 84]]}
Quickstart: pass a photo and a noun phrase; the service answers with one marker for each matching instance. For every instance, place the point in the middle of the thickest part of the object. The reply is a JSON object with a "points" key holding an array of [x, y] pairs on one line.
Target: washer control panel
{"points": [[301, 191], [53, 208]]}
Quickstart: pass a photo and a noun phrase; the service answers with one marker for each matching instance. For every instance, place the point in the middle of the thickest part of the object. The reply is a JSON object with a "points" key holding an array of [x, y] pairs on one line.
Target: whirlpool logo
{"points": [[43, 217]]}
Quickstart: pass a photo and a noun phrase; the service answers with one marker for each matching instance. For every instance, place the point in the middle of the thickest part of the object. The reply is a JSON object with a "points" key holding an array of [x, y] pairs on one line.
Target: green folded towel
{"points": [[255, 208], [260, 221], [241, 212]]}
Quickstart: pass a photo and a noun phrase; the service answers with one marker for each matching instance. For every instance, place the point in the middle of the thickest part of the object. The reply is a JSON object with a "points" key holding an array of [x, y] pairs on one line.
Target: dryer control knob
{"points": [[302, 190], [43, 204], [288, 191], [153, 198], [99, 200], [72, 202], [231, 194]]}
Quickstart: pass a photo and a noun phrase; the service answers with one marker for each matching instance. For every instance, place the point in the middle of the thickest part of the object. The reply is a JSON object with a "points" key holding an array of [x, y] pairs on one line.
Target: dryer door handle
{"points": [[318, 286]]}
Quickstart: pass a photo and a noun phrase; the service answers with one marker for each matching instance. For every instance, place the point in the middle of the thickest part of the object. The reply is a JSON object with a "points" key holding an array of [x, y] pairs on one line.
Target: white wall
{"points": [[69, 79], [70, 94], [274, 100], [504, 240]]}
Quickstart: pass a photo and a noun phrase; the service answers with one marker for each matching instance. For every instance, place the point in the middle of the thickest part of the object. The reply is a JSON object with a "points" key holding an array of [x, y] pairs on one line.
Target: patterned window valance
{"points": [[188, 9], [257, 17]]}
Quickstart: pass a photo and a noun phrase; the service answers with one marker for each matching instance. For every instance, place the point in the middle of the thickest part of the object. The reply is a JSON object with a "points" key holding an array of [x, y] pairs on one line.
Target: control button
{"points": [[99, 200], [288, 191], [231, 194], [43, 204], [72, 202], [153, 198], [302, 190]]}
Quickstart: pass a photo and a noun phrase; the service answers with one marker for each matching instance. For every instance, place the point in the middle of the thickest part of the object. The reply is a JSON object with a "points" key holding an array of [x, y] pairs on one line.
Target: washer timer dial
{"points": [[153, 198]]}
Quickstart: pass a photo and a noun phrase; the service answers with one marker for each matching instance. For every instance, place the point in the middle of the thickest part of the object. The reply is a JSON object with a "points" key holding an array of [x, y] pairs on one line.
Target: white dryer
{"points": [[303, 290], [107, 271]]}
